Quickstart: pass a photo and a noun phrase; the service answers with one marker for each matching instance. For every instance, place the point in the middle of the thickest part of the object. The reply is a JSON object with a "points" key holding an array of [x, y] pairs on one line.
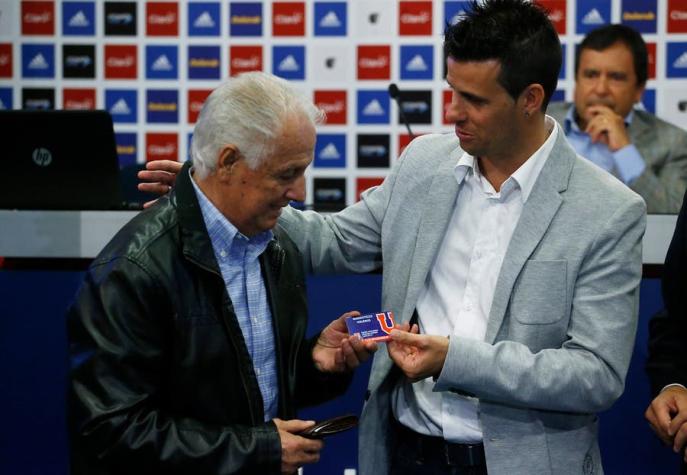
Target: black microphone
{"points": [[395, 93]]}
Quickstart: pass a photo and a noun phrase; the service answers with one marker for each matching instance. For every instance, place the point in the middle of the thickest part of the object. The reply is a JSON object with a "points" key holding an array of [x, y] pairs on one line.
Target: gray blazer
{"points": [[562, 324], [663, 147]]}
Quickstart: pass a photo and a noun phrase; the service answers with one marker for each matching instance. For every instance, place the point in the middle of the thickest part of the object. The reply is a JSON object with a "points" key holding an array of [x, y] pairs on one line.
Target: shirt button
{"points": [[255, 319], [223, 253], [257, 371], [468, 307]]}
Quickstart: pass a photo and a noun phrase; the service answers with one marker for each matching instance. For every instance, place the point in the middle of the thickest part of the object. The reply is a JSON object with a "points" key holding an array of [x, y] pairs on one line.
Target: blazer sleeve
{"points": [[118, 352], [586, 374], [667, 358]]}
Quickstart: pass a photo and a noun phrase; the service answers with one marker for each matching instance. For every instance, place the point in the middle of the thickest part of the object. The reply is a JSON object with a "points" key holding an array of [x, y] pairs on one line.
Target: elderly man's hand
{"points": [[296, 451], [158, 177], [418, 356], [604, 125], [336, 351], [667, 415]]}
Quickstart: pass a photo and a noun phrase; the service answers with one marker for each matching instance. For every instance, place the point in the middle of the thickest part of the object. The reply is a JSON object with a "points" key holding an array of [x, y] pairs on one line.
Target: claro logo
{"points": [[42, 157]]}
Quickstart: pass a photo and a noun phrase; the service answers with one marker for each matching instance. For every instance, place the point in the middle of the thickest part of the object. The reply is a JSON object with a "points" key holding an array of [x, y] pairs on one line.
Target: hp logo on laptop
{"points": [[42, 157]]}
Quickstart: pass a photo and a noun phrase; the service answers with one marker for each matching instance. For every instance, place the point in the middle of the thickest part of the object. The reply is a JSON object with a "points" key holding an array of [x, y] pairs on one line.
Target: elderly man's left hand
{"points": [[336, 351]]}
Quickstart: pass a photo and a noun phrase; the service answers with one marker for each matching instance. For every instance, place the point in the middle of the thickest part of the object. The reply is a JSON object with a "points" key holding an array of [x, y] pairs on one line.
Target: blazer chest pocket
{"points": [[539, 295]]}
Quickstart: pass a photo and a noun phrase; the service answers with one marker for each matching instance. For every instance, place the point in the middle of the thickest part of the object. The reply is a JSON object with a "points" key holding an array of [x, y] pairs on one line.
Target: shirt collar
{"points": [[569, 123], [223, 234], [526, 175]]}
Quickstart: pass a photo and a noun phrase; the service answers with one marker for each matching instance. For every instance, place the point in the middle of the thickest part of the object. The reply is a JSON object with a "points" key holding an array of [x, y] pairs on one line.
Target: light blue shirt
{"points": [[626, 164], [237, 256]]}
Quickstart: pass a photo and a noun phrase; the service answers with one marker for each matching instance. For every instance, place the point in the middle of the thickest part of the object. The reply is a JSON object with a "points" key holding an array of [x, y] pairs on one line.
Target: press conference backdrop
{"points": [[152, 63]]}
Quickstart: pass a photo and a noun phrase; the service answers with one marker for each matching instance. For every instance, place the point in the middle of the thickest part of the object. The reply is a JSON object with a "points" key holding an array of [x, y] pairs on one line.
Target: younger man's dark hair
{"points": [[606, 36], [518, 34]]}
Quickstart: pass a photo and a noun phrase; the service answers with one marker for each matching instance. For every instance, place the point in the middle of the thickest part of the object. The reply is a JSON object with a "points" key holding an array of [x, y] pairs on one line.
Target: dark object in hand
{"points": [[330, 427]]}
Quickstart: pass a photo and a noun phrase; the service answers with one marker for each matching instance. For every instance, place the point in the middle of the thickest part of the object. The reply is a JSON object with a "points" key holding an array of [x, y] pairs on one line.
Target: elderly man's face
{"points": [[606, 78], [257, 197]]}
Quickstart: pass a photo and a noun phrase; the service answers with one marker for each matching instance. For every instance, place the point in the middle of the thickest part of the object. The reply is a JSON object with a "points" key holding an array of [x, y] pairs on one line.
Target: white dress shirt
{"points": [[458, 291]]}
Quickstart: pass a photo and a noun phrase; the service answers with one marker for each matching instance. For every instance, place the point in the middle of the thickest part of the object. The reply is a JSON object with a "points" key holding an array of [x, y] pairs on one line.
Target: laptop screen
{"points": [[58, 160]]}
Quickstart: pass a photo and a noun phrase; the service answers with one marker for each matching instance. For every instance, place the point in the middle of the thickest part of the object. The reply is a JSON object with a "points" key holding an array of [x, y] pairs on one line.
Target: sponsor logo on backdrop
{"points": [[557, 13], [330, 151], [37, 18], [651, 52], [162, 146], [677, 16], [373, 150], [330, 19], [78, 61], [78, 99], [365, 183], [446, 98], [78, 18], [374, 62], [415, 18], [37, 98], [203, 19], [373, 107], [126, 148], [6, 102], [244, 58], [5, 60], [162, 62], [122, 105], [333, 103], [38, 60], [288, 19], [162, 106], [640, 15], [563, 70], [288, 62], [245, 19], [417, 106], [120, 62], [649, 100], [203, 62], [120, 18], [677, 60], [329, 193], [162, 19], [591, 14], [454, 11], [417, 62], [196, 99]]}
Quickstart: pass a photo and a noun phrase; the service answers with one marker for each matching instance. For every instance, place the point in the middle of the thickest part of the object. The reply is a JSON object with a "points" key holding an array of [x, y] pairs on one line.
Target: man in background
{"points": [[644, 152], [187, 337]]}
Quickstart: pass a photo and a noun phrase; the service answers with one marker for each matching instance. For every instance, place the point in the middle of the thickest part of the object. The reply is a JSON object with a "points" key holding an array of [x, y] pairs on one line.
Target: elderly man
{"points": [[644, 152], [187, 337]]}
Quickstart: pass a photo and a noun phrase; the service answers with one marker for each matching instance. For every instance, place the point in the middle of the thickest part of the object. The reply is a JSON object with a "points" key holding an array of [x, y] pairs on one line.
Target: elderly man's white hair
{"points": [[248, 111]]}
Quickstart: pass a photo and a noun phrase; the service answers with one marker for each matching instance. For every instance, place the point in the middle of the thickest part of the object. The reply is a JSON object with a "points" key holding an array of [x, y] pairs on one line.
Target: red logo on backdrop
{"points": [[162, 19], [415, 18], [196, 98], [447, 97], [288, 19], [677, 16], [403, 141], [651, 51], [363, 184], [374, 62], [5, 60], [37, 18], [556, 10], [78, 99], [243, 59], [161, 146], [120, 62], [333, 103]]}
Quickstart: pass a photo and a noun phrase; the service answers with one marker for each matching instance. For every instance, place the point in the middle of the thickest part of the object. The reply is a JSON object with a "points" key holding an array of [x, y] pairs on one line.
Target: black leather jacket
{"points": [[161, 378]]}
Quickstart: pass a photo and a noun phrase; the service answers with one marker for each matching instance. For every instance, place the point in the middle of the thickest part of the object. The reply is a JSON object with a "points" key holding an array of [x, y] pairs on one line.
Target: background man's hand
{"points": [[418, 356], [604, 125], [337, 351], [667, 415], [296, 451], [158, 177]]}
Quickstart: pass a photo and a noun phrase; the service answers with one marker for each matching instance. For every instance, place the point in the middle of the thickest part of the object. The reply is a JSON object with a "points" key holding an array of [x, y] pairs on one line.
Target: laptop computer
{"points": [[58, 160]]}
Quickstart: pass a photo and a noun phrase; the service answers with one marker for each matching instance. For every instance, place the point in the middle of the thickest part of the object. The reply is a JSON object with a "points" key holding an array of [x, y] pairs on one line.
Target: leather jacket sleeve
{"points": [[118, 332]]}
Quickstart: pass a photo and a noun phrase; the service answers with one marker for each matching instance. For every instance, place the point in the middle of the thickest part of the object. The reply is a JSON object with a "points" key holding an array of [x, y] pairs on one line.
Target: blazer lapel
{"points": [[436, 214], [537, 213]]}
